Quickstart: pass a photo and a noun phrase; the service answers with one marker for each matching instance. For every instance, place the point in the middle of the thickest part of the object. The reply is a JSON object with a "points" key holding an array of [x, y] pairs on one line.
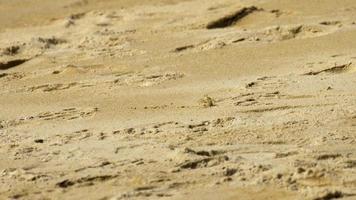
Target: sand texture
{"points": [[178, 99]]}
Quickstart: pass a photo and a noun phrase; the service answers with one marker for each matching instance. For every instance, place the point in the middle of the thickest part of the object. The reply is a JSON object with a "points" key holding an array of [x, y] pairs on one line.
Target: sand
{"points": [[173, 99]]}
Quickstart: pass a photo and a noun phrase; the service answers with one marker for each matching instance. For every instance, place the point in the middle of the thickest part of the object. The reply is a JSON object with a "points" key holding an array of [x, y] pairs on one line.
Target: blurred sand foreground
{"points": [[178, 99]]}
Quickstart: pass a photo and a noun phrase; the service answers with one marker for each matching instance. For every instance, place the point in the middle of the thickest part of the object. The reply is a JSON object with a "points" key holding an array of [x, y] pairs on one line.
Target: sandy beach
{"points": [[178, 99]]}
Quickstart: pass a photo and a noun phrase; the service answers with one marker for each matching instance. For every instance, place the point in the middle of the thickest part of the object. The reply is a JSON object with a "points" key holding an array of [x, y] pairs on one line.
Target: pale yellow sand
{"points": [[163, 99]]}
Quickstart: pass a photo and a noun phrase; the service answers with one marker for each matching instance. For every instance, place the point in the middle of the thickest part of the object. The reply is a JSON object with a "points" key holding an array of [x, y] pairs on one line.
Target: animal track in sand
{"points": [[52, 87], [177, 127], [65, 114], [25, 175], [55, 87], [139, 79], [69, 70], [74, 136], [251, 99], [85, 181], [272, 95]]}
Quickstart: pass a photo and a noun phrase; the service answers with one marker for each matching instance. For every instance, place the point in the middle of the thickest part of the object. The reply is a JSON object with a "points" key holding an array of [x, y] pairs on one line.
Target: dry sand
{"points": [[173, 99]]}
